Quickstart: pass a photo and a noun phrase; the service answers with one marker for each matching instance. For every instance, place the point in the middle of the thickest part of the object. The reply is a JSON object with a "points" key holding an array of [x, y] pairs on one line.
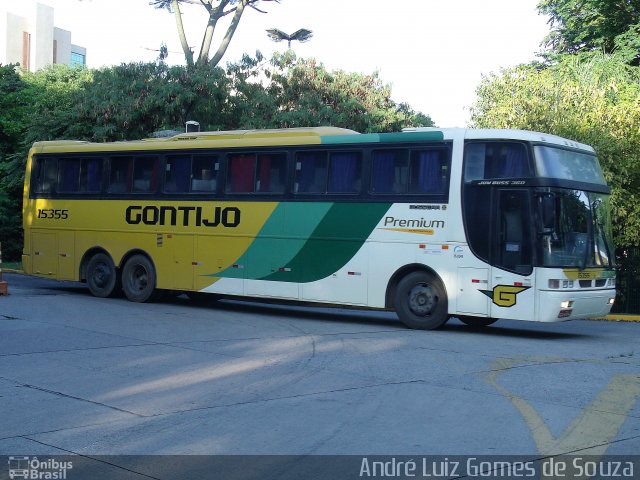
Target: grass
{"points": [[6, 266]]}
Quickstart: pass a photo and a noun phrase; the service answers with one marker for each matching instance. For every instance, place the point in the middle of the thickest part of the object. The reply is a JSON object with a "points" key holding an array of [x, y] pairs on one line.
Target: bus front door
{"points": [[512, 277]]}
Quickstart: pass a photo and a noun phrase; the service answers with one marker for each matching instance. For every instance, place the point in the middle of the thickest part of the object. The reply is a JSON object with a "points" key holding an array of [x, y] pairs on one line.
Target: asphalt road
{"points": [[89, 376]]}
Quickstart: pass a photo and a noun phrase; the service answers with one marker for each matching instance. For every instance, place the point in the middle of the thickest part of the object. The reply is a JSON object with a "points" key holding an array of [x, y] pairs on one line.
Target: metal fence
{"points": [[628, 281]]}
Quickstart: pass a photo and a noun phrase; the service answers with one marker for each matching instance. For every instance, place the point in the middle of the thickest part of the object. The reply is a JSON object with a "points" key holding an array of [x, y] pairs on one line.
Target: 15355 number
{"points": [[52, 214]]}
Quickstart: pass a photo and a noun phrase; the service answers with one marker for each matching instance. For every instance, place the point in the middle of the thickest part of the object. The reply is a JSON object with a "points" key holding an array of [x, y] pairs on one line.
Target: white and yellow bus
{"points": [[432, 223]]}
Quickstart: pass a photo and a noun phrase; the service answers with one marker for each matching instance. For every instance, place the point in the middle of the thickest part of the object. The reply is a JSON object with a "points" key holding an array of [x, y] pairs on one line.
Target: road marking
{"points": [[594, 428]]}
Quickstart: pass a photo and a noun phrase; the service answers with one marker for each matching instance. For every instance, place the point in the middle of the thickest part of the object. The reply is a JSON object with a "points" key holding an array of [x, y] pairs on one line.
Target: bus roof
{"points": [[300, 136]]}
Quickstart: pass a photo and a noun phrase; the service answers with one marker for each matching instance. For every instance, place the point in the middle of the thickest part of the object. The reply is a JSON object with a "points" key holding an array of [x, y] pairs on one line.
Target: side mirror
{"points": [[547, 212]]}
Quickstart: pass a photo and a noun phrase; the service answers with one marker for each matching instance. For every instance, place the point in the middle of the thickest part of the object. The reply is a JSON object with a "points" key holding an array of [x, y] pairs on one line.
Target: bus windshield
{"points": [[581, 236], [552, 162]]}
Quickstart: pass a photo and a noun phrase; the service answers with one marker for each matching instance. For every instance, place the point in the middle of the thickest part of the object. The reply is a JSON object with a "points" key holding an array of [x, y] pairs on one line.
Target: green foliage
{"points": [[292, 92], [593, 99], [587, 25], [14, 102], [131, 101]]}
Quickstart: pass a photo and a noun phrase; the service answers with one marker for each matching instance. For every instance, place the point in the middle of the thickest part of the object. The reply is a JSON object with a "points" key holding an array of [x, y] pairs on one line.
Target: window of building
{"points": [[78, 59]]}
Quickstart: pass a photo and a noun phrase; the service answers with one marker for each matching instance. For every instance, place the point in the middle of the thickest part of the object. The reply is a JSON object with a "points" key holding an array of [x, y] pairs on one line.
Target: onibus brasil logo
{"points": [[35, 469]]}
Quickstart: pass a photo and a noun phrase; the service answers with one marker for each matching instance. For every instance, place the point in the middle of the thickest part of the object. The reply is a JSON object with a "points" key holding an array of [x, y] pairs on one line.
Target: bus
{"points": [[430, 223]]}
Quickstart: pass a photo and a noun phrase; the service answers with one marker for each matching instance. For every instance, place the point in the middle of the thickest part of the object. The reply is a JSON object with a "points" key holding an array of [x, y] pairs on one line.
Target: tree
{"points": [[216, 10], [302, 92], [131, 101], [588, 25], [591, 98], [14, 112]]}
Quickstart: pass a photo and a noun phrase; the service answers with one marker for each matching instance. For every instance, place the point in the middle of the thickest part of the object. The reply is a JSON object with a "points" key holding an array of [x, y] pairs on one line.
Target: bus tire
{"points": [[102, 277], [139, 279], [421, 301], [477, 322]]}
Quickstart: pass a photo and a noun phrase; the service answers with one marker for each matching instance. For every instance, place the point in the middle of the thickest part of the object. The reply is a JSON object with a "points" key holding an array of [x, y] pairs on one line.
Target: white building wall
{"points": [[16, 26], [62, 39], [42, 41]]}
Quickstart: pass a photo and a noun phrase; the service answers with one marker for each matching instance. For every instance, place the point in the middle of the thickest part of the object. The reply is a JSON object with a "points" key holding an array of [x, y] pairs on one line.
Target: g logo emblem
{"points": [[504, 295]]}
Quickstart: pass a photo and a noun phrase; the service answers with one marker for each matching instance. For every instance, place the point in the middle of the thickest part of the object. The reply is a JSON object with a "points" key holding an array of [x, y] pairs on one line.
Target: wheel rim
{"points": [[422, 300], [139, 279], [101, 275]]}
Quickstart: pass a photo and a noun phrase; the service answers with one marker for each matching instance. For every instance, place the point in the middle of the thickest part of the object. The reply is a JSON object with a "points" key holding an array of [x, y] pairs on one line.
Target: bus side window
{"points": [[311, 172], [428, 172], [204, 173], [271, 174], [145, 174], [390, 172], [91, 175], [178, 174], [345, 171], [495, 160], [121, 175], [45, 176], [68, 175], [241, 174]]}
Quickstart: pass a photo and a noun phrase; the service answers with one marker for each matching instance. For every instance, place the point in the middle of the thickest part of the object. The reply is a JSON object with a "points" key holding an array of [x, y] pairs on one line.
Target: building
{"points": [[29, 37]]}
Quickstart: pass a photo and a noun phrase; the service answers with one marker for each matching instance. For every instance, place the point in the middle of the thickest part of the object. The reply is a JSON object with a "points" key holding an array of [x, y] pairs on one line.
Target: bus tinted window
{"points": [[133, 174], [45, 175], [428, 172], [345, 171], [311, 172], [204, 173], [397, 172], [249, 173], [68, 175], [191, 173], [121, 175], [79, 175], [495, 160], [91, 175], [145, 174], [390, 171]]}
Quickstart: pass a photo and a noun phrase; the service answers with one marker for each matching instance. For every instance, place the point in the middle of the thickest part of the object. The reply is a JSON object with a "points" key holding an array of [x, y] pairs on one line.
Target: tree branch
{"points": [[230, 31], [188, 54]]}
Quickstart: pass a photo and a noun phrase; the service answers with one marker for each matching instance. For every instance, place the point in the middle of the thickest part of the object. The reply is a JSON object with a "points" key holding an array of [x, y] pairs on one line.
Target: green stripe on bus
{"points": [[335, 241], [283, 235], [430, 136]]}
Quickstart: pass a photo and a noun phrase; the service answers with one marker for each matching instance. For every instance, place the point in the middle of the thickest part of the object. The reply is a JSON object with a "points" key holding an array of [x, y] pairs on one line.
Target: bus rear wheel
{"points": [[477, 322], [102, 278], [421, 301], [139, 279]]}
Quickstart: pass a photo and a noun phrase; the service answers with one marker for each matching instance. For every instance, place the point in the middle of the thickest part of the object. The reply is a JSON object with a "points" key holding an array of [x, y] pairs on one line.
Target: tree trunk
{"points": [[188, 54]]}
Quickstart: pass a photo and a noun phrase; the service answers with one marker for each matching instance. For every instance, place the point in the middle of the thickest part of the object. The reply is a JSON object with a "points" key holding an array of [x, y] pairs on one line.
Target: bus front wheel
{"points": [[139, 279], [102, 278], [421, 301]]}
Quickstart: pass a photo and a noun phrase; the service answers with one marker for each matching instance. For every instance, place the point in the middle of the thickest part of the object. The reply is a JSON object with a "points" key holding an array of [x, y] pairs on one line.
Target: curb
{"points": [[621, 317]]}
